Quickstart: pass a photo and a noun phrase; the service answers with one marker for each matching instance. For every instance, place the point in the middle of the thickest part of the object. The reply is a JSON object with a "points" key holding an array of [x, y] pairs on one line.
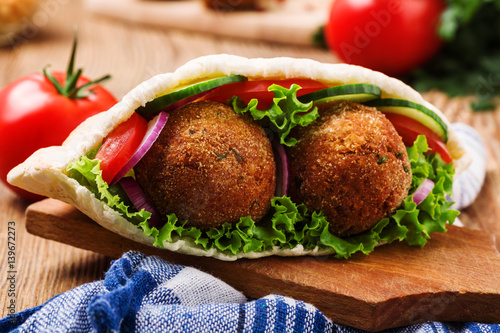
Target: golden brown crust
{"points": [[209, 166], [351, 165]]}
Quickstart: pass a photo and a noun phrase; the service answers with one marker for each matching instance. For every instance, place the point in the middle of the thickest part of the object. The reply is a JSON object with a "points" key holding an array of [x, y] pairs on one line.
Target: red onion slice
{"points": [[281, 169], [155, 126], [138, 198], [423, 191]]}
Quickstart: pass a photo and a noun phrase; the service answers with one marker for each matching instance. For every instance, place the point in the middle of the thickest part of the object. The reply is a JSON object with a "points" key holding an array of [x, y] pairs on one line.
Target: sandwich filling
{"points": [[312, 170]]}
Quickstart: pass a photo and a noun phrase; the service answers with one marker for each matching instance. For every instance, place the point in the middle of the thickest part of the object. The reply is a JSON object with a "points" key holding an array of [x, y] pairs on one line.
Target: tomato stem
{"points": [[70, 84], [52, 79], [70, 88], [71, 64], [81, 93]]}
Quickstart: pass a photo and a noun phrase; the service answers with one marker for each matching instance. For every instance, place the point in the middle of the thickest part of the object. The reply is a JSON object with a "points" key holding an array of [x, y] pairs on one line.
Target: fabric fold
{"points": [[148, 294]]}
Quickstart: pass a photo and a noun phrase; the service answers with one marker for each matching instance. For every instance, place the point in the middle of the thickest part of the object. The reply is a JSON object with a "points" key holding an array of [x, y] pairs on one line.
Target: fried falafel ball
{"points": [[209, 166], [352, 165]]}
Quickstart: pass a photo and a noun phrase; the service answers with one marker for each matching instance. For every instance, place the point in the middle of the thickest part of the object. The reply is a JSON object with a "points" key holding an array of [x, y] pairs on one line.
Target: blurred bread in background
{"points": [[14, 14]]}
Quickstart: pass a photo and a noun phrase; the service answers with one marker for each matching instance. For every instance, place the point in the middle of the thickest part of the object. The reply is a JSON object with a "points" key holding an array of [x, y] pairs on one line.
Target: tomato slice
{"points": [[119, 146], [248, 90], [409, 129]]}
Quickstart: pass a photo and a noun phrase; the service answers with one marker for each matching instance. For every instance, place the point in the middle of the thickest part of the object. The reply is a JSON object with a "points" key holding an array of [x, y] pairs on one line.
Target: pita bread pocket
{"points": [[69, 173]]}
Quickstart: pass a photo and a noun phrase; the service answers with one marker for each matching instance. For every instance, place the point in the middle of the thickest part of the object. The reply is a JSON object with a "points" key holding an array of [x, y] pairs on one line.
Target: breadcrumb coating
{"points": [[352, 165], [209, 166]]}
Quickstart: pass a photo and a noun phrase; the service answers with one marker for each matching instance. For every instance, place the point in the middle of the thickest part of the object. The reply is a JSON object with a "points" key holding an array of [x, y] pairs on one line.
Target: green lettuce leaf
{"points": [[87, 172], [285, 112]]}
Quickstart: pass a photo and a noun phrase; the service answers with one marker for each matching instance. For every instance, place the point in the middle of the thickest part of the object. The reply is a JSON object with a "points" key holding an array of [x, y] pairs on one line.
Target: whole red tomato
{"points": [[34, 114], [391, 36]]}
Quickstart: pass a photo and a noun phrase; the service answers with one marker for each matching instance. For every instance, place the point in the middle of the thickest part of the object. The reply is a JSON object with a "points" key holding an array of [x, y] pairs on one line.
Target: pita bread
{"points": [[44, 172]]}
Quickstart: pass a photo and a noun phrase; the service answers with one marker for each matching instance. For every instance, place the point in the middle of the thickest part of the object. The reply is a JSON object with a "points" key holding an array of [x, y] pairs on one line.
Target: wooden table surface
{"points": [[133, 53]]}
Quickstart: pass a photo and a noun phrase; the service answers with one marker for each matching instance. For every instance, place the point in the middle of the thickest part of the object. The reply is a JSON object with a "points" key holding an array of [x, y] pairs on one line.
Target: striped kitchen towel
{"points": [[148, 294]]}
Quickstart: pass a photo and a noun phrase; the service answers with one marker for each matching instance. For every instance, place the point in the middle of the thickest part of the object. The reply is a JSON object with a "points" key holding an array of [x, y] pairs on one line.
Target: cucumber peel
{"points": [[190, 92], [418, 112], [358, 92]]}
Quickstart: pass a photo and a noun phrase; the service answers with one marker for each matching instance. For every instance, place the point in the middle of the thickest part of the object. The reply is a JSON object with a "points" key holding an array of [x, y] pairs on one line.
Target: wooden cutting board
{"points": [[455, 277], [292, 22]]}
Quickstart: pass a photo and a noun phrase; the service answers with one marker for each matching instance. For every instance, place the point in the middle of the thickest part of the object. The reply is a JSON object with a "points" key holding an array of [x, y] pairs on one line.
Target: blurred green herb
{"points": [[319, 39], [220, 156], [469, 62]]}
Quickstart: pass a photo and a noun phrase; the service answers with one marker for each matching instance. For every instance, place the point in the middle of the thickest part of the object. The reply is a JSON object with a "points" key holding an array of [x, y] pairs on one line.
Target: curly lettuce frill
{"points": [[289, 224], [285, 112], [86, 170]]}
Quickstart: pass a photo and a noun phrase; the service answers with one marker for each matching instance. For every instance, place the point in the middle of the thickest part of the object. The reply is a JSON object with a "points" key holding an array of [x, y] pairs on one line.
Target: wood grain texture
{"points": [[395, 285], [133, 53], [303, 19]]}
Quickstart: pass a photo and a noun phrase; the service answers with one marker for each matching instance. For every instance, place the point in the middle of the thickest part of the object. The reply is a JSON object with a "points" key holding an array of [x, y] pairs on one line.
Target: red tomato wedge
{"points": [[409, 129], [120, 145], [248, 90]]}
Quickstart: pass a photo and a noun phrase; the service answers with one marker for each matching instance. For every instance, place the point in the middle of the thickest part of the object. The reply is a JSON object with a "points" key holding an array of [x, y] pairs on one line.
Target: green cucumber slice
{"points": [[188, 93], [358, 92], [418, 112]]}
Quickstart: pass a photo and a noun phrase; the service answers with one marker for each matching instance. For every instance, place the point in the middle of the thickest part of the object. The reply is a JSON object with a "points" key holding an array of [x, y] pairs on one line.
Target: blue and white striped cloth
{"points": [[148, 294]]}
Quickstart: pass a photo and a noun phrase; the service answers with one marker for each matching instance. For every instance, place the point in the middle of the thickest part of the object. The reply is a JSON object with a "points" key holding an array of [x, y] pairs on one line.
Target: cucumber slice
{"points": [[418, 112], [358, 92], [188, 93]]}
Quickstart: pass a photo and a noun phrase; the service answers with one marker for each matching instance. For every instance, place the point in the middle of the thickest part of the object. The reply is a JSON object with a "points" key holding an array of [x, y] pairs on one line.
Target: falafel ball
{"points": [[352, 165], [209, 166]]}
